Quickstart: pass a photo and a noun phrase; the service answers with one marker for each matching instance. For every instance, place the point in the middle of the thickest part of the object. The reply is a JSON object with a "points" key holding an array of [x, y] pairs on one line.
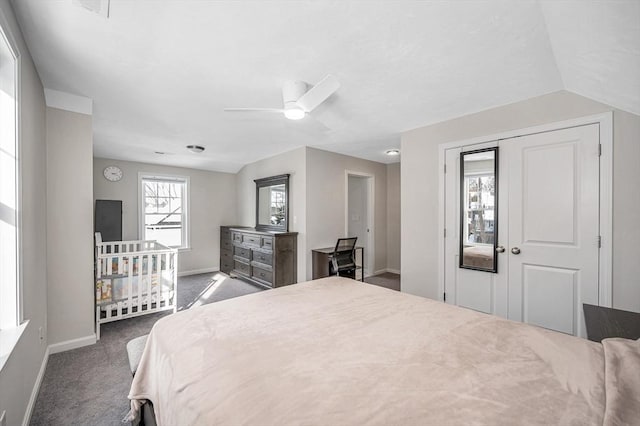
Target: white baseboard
{"points": [[72, 344], [199, 271], [393, 271], [36, 389]]}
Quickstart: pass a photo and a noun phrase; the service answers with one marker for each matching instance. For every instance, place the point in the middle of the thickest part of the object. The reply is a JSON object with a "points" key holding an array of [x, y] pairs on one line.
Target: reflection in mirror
{"points": [[272, 205], [272, 197], [478, 209]]}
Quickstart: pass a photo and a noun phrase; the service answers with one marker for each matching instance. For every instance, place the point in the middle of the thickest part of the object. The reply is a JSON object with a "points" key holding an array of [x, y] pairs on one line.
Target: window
{"points": [[9, 185], [164, 210]]}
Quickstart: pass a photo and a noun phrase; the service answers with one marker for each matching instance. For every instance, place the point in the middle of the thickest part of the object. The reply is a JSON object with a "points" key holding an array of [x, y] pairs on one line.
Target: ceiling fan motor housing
{"points": [[292, 90]]}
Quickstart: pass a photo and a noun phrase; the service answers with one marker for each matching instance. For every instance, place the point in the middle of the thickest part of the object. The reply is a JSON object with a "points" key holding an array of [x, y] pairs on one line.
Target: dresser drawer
{"points": [[242, 252], [236, 237], [252, 240], [226, 255], [267, 243], [226, 244], [258, 256], [226, 265], [262, 274], [241, 267], [225, 234]]}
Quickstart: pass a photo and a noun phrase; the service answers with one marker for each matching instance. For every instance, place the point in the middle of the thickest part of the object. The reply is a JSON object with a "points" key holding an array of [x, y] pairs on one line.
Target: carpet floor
{"points": [[387, 280], [89, 385]]}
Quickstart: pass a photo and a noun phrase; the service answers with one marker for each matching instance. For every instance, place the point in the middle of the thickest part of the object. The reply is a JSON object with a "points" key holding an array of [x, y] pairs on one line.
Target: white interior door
{"points": [[548, 224], [359, 216], [553, 226], [478, 290]]}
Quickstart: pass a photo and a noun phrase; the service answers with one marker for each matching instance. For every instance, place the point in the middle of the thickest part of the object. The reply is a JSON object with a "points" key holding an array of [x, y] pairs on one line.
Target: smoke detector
{"points": [[195, 148]]}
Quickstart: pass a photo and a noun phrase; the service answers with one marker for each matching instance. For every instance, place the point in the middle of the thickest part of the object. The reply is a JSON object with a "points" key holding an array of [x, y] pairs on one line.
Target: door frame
{"points": [[369, 255], [605, 123]]}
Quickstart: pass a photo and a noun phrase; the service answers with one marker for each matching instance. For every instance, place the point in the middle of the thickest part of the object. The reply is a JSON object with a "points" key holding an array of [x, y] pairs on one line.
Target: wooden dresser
{"points": [[268, 259]]}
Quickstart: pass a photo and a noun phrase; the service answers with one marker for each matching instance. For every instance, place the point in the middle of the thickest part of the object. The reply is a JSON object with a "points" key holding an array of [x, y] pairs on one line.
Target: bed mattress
{"points": [[336, 351]]}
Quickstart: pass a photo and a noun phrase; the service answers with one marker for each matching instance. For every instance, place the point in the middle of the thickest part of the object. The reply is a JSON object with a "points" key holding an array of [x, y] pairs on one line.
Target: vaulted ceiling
{"points": [[161, 72]]}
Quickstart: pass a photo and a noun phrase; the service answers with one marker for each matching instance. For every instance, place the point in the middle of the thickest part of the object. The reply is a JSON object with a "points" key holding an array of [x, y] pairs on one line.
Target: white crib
{"points": [[134, 278]]}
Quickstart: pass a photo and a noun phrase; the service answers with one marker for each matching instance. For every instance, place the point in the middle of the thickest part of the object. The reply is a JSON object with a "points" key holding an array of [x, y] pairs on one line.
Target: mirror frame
{"points": [[495, 211], [271, 181]]}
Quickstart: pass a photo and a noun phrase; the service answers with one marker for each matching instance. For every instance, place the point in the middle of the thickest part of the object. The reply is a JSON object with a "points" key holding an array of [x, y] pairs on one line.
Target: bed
{"points": [[337, 351], [478, 256]]}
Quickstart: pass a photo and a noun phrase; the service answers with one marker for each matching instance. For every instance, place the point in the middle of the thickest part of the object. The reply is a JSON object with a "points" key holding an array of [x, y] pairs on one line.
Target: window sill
{"points": [[181, 249], [9, 338]]}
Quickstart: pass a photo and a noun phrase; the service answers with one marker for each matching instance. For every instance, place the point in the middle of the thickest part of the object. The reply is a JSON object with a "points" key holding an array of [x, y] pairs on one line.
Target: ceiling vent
{"points": [[101, 7]]}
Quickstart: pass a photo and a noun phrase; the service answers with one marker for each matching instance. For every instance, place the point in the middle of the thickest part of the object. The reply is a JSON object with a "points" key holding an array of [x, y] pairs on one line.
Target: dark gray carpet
{"points": [[387, 280], [89, 386]]}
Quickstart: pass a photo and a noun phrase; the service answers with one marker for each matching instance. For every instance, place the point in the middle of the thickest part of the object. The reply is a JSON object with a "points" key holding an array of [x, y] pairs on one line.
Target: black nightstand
{"points": [[603, 323]]}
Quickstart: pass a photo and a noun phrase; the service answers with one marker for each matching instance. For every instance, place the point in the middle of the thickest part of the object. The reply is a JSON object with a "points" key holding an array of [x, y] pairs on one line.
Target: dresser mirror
{"points": [[272, 203], [479, 209]]}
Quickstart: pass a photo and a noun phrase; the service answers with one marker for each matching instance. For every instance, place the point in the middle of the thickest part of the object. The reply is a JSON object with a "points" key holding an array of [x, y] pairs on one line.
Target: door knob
{"points": [[499, 249], [515, 250]]}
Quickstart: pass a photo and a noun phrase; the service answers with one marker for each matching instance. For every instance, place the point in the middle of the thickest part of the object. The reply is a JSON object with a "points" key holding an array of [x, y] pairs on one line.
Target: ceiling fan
{"points": [[299, 98]]}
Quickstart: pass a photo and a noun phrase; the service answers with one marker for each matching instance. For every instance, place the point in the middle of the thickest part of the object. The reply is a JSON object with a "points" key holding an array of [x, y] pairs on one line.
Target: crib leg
{"points": [[97, 323]]}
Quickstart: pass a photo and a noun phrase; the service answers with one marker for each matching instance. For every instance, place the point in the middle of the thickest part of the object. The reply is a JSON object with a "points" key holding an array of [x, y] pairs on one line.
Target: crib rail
{"points": [[134, 278]]}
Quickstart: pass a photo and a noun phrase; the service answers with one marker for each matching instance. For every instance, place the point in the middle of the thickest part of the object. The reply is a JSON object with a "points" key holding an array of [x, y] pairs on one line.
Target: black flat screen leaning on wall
{"points": [[108, 219]]}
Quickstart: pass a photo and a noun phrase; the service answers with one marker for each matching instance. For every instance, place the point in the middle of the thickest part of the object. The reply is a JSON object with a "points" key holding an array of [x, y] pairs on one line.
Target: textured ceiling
{"points": [[160, 72]]}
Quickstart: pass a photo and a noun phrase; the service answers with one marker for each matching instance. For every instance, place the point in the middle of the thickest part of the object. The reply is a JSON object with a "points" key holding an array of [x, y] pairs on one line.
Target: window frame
{"points": [[19, 322], [186, 203]]}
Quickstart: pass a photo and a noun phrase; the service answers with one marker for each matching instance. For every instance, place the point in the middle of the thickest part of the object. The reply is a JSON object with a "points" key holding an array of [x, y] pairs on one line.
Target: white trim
{"points": [[371, 222], [199, 271], [36, 389], [393, 271], [605, 121], [68, 345], [68, 102], [605, 295], [14, 51], [187, 206]]}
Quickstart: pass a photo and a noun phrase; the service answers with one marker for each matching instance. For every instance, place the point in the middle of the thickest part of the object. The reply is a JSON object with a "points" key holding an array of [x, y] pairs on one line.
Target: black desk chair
{"points": [[343, 259]]}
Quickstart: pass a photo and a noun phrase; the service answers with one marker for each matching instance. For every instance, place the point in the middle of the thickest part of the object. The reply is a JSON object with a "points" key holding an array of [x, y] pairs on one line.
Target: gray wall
{"points": [[69, 225], [420, 186], [326, 201], [213, 203], [294, 163], [393, 217], [18, 375]]}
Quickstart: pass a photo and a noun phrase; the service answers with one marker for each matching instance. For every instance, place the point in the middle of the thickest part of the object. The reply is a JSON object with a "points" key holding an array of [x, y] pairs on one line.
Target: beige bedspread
{"points": [[339, 352]]}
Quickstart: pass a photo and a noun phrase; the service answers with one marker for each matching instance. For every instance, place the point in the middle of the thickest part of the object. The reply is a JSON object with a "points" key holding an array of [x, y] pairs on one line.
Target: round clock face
{"points": [[113, 173]]}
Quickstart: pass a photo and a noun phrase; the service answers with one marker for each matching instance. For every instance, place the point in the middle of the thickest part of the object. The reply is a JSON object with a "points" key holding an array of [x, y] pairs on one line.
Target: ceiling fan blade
{"points": [[318, 93], [280, 110]]}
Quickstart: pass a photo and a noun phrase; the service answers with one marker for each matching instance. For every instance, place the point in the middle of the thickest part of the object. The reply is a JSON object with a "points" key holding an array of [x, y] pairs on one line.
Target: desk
{"points": [[321, 259]]}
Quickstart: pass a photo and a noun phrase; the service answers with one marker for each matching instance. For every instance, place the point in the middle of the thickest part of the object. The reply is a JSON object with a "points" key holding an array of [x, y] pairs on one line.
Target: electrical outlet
{"points": [[3, 419]]}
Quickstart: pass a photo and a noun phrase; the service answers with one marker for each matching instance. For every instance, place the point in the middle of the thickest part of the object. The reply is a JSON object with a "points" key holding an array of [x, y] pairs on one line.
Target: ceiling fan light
{"points": [[195, 148], [294, 113], [392, 152]]}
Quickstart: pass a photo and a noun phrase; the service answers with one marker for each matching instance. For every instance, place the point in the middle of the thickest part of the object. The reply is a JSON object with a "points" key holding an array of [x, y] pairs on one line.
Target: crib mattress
{"points": [[116, 288]]}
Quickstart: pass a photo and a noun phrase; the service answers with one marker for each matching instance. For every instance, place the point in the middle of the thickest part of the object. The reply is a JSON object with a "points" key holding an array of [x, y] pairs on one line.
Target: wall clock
{"points": [[113, 173]]}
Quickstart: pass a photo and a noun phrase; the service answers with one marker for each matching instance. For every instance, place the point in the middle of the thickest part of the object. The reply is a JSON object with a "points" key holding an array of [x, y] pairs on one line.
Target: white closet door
{"points": [[553, 181], [478, 290]]}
